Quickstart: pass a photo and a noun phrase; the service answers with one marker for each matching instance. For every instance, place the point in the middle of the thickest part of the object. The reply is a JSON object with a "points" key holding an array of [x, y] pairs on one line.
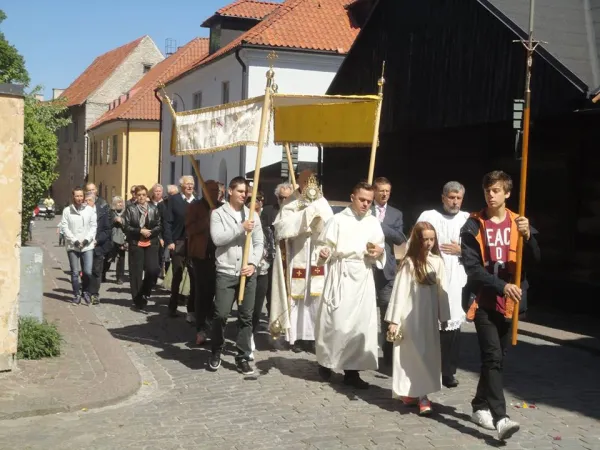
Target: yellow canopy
{"points": [[325, 119]]}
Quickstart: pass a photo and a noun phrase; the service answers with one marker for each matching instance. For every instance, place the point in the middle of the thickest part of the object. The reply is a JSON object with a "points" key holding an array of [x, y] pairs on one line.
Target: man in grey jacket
{"points": [[228, 227]]}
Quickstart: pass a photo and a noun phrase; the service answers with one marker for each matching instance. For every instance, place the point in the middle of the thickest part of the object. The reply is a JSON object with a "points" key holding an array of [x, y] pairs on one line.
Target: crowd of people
{"points": [[322, 275]]}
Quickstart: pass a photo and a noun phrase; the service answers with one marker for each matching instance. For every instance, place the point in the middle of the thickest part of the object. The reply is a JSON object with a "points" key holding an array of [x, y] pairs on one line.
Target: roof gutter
{"points": [[244, 96], [160, 123], [244, 45]]}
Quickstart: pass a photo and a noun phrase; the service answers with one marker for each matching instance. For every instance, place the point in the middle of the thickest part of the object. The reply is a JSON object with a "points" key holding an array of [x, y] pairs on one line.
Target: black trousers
{"points": [[227, 291], [450, 346], [493, 334], [143, 269], [383, 289], [97, 271], [262, 287], [204, 280], [118, 254], [178, 265]]}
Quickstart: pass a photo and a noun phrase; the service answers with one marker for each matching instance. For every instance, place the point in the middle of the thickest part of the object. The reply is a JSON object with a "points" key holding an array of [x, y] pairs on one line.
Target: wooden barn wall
{"points": [[448, 63]]}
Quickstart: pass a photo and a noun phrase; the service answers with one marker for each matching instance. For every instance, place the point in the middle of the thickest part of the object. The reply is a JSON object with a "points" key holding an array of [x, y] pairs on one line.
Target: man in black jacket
{"points": [[392, 225], [156, 198], [489, 248], [102, 247], [175, 240]]}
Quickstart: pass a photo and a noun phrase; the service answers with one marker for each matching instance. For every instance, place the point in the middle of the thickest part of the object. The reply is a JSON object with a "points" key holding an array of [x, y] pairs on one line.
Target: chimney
{"points": [[56, 93], [39, 97]]}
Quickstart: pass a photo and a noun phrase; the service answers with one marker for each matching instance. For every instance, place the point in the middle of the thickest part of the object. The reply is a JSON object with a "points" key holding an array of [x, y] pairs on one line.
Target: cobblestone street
{"points": [[285, 405]]}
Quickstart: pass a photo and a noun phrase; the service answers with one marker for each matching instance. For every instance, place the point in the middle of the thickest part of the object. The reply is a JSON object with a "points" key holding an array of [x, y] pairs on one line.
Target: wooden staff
{"points": [[202, 183], [375, 142], [290, 164], [261, 143], [530, 46]]}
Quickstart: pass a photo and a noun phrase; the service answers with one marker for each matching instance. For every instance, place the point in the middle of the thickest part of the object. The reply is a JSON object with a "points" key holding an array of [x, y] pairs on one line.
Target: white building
{"points": [[310, 39]]}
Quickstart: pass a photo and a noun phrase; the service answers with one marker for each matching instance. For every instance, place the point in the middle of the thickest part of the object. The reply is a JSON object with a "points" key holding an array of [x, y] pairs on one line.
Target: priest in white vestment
{"points": [[351, 243], [298, 282], [447, 223]]}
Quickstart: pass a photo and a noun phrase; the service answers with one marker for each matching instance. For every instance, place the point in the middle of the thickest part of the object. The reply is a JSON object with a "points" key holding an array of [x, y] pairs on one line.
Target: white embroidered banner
{"points": [[213, 129]]}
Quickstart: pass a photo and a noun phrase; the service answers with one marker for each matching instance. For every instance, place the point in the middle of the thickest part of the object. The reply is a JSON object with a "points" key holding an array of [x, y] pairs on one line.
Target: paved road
{"points": [[181, 405]]}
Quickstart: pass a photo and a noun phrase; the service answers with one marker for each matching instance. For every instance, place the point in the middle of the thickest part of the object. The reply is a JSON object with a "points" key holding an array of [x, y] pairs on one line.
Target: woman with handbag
{"points": [[417, 305], [119, 240], [142, 225]]}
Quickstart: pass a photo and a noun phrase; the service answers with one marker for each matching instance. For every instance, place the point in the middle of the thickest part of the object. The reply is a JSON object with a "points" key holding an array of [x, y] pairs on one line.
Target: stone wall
{"points": [[11, 161]]}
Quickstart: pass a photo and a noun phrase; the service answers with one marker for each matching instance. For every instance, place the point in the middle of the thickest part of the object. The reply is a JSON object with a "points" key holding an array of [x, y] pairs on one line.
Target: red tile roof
{"points": [[142, 104], [317, 25], [98, 72], [248, 9]]}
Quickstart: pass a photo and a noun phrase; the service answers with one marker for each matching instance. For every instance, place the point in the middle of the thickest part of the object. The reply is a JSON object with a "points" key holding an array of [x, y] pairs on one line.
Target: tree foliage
{"points": [[42, 120], [12, 64], [40, 155]]}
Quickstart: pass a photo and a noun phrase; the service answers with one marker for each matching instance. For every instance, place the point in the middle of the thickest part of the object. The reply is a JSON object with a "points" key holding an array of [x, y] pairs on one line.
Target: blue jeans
{"points": [[80, 261]]}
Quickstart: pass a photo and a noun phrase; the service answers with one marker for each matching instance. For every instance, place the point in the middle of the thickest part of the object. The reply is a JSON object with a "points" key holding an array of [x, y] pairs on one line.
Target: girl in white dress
{"points": [[417, 303]]}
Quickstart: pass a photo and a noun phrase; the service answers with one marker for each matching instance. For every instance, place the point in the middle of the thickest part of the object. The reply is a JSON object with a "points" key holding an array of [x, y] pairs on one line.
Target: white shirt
{"points": [[185, 199]]}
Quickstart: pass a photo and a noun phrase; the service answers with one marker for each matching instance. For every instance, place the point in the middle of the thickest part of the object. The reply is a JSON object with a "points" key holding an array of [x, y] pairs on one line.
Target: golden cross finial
{"points": [[272, 57]]}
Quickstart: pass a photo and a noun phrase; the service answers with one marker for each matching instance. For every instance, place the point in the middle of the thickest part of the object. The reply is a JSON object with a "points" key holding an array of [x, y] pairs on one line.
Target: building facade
{"points": [[310, 41], [88, 97]]}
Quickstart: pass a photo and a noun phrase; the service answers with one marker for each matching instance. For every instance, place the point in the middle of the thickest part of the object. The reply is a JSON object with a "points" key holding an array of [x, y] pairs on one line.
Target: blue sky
{"points": [[60, 38]]}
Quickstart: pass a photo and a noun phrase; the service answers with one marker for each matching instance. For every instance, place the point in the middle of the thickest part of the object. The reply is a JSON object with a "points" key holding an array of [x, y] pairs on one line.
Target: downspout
{"points": [[127, 164], [160, 123], [244, 97]]}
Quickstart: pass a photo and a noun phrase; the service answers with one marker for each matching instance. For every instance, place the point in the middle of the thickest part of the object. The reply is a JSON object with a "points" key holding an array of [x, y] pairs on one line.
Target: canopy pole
{"points": [[530, 46], [201, 182], [375, 143], [261, 143], [290, 164]]}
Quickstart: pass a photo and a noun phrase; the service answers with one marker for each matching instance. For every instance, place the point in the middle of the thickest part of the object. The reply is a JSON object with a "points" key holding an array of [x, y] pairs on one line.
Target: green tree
{"points": [[12, 64], [42, 120], [40, 155]]}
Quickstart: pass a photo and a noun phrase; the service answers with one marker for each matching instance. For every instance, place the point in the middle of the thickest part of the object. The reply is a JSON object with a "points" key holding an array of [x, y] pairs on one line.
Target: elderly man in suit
{"points": [[392, 225], [176, 241]]}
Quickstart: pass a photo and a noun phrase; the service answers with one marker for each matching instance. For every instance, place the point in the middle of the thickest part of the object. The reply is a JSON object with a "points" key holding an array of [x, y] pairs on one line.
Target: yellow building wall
{"points": [[142, 161], [144, 157], [106, 173]]}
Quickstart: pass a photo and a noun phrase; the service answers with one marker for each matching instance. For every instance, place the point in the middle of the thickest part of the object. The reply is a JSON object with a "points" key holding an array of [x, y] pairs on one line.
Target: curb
{"points": [[581, 342], [121, 381]]}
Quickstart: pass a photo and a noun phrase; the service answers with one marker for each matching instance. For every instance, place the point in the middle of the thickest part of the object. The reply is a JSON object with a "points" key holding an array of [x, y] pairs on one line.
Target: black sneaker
{"points": [[325, 373], [215, 361], [450, 382], [355, 381], [244, 367]]}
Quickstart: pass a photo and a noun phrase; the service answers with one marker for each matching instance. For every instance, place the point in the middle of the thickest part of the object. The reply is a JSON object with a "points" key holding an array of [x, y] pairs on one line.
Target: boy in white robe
{"points": [[346, 330], [418, 303], [447, 223]]}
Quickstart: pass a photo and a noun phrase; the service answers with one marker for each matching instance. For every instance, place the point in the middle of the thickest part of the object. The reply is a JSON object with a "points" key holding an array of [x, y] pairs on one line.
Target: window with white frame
{"points": [[108, 145]]}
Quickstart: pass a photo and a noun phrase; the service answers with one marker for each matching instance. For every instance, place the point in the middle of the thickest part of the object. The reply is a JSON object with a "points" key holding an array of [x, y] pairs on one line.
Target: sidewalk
{"points": [[92, 371]]}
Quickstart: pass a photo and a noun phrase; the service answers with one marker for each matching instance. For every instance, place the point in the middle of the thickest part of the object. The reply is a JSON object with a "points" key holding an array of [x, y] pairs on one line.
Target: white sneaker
{"points": [[506, 428], [484, 419], [190, 318]]}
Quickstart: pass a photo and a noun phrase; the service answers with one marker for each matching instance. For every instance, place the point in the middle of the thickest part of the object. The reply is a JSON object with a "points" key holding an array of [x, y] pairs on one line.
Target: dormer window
{"points": [[147, 68]]}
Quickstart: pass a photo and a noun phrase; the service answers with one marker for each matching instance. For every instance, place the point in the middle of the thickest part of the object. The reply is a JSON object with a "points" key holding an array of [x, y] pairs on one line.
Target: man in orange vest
{"points": [[489, 253]]}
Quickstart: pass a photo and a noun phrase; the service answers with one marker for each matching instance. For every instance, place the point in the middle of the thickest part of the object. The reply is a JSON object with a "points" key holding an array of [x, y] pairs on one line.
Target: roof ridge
{"points": [[279, 13], [136, 41], [239, 2]]}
